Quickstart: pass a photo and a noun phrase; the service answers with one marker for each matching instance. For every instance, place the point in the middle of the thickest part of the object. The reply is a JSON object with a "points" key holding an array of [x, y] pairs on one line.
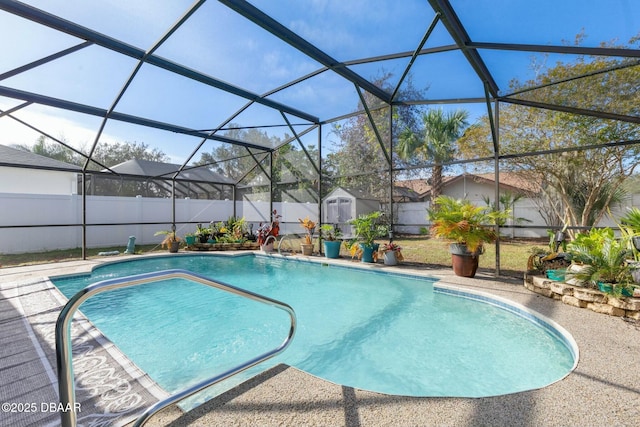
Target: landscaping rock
{"points": [[561, 288], [573, 301], [632, 304], [580, 297], [606, 309], [589, 295]]}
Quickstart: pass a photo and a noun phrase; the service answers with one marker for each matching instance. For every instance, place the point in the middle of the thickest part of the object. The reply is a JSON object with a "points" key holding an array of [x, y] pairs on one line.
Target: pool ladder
{"points": [[64, 355], [282, 239]]}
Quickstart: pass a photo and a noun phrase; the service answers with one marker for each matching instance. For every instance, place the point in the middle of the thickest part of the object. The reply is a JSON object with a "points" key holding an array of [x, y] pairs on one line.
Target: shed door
{"points": [[338, 210]]}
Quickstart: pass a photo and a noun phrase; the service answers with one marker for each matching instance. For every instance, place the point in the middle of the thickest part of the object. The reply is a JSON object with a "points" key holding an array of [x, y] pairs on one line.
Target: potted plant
{"points": [[468, 226], [630, 230], [367, 228], [190, 239], [551, 262], [604, 263], [310, 227], [202, 233], [330, 234], [171, 241], [267, 232], [391, 253]]}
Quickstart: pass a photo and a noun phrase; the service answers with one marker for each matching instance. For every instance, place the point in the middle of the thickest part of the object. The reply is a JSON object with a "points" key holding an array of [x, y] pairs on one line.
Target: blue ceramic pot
{"points": [[367, 251], [332, 248]]}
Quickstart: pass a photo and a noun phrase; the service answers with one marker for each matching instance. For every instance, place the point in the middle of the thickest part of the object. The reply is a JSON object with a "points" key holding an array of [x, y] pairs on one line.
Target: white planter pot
{"points": [[390, 258]]}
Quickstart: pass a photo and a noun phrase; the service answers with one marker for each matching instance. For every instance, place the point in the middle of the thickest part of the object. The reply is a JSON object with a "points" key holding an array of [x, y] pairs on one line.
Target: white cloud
{"points": [[75, 134]]}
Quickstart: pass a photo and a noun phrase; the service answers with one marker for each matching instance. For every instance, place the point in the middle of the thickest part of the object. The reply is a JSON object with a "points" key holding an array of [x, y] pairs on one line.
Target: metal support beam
{"points": [[373, 125], [496, 142], [572, 50], [572, 110], [260, 18], [73, 29], [297, 138], [133, 74], [44, 60], [460, 36], [427, 33], [101, 112]]}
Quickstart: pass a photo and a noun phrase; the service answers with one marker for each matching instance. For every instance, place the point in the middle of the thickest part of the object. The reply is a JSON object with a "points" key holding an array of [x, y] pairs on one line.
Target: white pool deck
{"points": [[604, 389]]}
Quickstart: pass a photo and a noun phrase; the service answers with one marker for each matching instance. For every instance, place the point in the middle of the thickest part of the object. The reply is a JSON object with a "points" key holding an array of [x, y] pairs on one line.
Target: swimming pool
{"points": [[390, 333]]}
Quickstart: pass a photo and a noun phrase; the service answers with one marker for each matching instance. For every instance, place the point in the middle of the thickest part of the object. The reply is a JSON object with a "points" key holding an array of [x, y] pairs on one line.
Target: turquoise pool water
{"points": [[375, 331]]}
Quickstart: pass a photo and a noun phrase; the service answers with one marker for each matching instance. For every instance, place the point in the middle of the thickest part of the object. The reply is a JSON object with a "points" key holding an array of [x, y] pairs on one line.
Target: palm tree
{"points": [[434, 141]]}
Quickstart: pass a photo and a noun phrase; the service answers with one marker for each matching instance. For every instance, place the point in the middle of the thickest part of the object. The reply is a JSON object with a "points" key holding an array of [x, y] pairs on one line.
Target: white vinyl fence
{"points": [[23, 211]]}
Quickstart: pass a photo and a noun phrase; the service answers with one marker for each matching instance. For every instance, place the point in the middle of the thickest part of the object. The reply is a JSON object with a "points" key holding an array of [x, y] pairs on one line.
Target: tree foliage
{"points": [[360, 161], [104, 154], [434, 141], [294, 177], [53, 150], [119, 152], [577, 183]]}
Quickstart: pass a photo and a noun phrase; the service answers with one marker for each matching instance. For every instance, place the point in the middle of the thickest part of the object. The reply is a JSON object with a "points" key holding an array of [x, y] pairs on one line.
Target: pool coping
{"points": [[108, 386], [601, 390]]}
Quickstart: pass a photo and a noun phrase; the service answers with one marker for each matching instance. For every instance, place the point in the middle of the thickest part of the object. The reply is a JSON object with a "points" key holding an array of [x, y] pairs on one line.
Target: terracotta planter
{"points": [[465, 263], [307, 248]]}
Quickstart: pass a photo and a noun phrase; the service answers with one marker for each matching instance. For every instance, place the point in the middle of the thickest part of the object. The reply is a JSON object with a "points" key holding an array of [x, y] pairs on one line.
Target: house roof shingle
{"points": [[16, 157], [166, 170], [508, 180]]}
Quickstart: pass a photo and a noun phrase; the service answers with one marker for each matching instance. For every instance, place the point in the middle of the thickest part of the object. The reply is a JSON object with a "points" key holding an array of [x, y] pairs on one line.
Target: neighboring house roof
{"points": [[166, 170], [508, 181], [513, 180], [405, 194], [16, 157]]}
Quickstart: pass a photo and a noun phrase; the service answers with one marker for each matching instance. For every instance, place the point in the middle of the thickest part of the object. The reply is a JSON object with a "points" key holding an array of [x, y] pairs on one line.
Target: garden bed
{"points": [[223, 246], [577, 296]]}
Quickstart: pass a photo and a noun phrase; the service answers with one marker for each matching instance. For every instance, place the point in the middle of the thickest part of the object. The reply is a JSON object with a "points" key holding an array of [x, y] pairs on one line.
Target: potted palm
{"points": [[368, 228], [330, 234], [468, 227]]}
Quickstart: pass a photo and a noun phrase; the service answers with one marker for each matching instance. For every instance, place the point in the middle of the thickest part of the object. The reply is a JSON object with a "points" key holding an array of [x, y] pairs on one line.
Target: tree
{"points": [[52, 150], [435, 141], [577, 183], [119, 152], [293, 174], [359, 161]]}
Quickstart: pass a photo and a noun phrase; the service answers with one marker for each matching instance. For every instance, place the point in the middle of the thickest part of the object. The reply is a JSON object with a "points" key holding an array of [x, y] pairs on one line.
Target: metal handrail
{"points": [[64, 356], [280, 242]]}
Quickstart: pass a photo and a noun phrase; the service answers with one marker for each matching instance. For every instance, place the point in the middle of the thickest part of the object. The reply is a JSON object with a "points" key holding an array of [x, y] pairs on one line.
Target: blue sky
{"points": [[218, 42]]}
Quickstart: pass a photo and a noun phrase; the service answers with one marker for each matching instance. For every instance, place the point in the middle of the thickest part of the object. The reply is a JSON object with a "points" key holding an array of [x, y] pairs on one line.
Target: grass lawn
{"points": [[416, 250]]}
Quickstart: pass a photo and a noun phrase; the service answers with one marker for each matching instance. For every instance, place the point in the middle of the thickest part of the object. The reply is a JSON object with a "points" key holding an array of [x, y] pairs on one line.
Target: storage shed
{"points": [[342, 205]]}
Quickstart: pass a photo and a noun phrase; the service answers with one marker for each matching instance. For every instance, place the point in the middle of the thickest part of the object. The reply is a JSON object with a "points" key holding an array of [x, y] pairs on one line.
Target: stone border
{"points": [[577, 296], [223, 246]]}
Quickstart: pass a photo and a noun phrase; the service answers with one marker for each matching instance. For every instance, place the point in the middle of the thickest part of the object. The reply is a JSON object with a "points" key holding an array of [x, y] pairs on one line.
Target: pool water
{"points": [[388, 333]]}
